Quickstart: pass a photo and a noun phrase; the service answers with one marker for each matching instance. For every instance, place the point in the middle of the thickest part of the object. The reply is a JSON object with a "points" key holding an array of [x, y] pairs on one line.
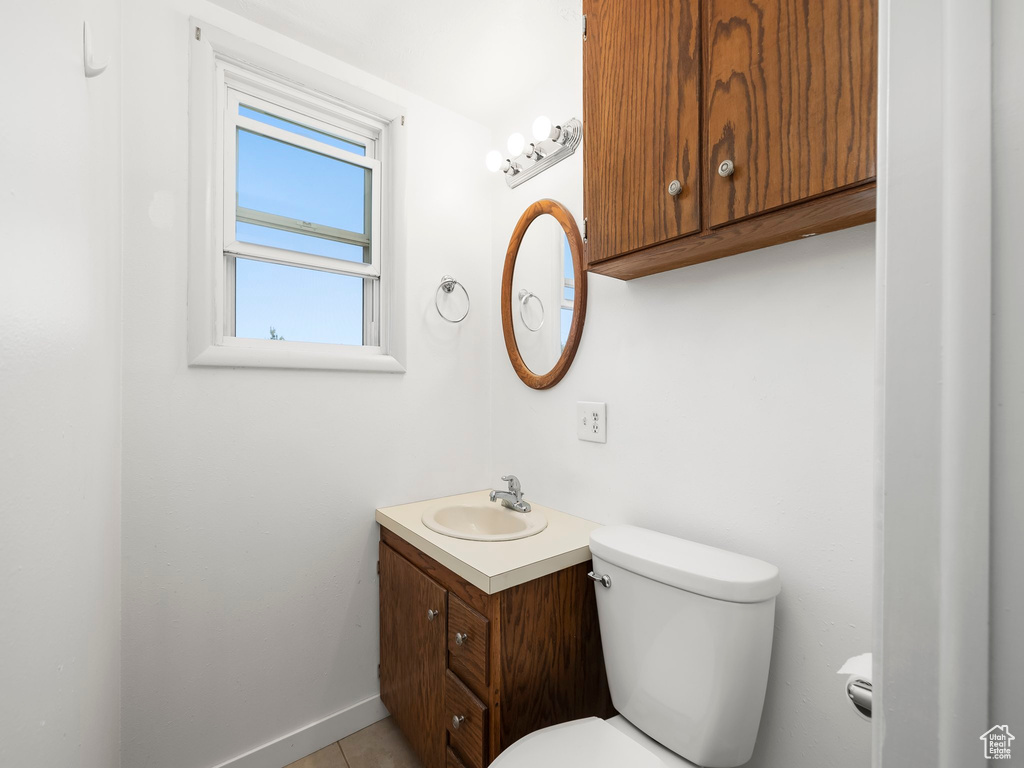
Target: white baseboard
{"points": [[310, 738]]}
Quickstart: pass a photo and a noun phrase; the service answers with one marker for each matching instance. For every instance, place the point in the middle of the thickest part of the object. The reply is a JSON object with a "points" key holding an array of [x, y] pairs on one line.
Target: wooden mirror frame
{"points": [[579, 313]]}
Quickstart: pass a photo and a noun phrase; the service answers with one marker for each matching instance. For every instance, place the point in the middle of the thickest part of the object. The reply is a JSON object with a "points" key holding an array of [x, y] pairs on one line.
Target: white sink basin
{"points": [[489, 521]]}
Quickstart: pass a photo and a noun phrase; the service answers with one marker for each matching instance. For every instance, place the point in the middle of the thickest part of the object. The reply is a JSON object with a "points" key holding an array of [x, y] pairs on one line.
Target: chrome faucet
{"points": [[513, 497]]}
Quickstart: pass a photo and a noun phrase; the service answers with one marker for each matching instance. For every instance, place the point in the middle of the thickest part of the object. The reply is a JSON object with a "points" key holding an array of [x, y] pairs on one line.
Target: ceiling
{"points": [[476, 57]]}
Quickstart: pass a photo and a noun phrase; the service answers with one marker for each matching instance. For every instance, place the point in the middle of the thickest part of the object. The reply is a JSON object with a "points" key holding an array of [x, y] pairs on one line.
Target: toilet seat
{"points": [[590, 742]]}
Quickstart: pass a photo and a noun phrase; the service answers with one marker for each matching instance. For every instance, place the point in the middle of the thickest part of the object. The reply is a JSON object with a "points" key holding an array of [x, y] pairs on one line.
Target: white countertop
{"points": [[493, 565]]}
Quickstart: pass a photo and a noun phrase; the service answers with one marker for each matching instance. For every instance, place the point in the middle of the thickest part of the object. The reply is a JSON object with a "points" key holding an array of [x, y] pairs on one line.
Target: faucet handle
{"points": [[514, 486]]}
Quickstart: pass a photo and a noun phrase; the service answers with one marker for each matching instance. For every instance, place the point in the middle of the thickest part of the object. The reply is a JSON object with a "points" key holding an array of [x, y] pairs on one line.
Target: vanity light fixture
{"points": [[551, 144], [516, 144]]}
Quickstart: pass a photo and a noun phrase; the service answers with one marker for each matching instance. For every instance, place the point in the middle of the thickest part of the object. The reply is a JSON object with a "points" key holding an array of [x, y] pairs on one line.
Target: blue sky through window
{"points": [[279, 178], [300, 304]]}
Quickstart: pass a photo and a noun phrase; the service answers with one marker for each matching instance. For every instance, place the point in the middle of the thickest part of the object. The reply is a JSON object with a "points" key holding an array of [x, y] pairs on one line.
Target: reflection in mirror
{"points": [[543, 285], [543, 294]]}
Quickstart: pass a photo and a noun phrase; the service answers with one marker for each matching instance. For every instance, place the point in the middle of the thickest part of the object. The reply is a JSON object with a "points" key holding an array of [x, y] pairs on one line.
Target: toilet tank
{"points": [[687, 635]]}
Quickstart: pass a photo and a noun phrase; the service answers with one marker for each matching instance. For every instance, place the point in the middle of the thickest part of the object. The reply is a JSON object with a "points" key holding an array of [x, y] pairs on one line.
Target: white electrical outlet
{"points": [[592, 422]]}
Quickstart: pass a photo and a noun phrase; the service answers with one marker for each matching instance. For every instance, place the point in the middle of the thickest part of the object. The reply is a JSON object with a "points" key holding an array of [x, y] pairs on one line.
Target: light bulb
{"points": [[516, 143], [494, 160], [542, 128]]}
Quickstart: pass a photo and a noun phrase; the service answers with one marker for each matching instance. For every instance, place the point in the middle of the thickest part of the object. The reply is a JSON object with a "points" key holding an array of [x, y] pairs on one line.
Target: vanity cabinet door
{"points": [[413, 641], [790, 99], [641, 124]]}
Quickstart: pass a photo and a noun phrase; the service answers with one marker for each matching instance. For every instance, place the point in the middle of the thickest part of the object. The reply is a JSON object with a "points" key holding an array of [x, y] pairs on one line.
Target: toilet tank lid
{"points": [[686, 564]]}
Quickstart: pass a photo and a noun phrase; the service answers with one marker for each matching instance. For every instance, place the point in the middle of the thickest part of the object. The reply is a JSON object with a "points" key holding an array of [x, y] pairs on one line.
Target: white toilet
{"points": [[687, 634]]}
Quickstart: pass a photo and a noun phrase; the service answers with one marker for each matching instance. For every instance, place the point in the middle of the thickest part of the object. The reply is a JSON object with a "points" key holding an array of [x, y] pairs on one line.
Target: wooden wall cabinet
{"points": [[784, 94], [483, 671]]}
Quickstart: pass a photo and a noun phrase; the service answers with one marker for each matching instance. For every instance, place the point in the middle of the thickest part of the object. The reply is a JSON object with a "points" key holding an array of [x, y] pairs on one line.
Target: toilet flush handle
{"points": [[604, 580]]}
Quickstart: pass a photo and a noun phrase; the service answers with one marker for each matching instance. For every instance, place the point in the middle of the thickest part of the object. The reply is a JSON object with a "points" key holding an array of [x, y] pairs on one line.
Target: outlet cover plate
{"points": [[592, 422]]}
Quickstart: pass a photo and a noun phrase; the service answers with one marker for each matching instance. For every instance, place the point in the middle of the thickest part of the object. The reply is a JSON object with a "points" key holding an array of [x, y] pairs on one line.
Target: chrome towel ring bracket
{"points": [[447, 286], [524, 298]]}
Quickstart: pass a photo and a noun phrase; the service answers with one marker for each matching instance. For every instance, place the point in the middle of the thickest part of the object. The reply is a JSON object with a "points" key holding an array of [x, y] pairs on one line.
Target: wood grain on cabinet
{"points": [[475, 597], [641, 81], [550, 674], [785, 91], [468, 738], [496, 690], [453, 759], [468, 658], [790, 99], [846, 208], [542, 656], [412, 654]]}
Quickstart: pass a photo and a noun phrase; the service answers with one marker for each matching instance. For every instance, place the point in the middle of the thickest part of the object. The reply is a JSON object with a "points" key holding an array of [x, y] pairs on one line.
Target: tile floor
{"points": [[381, 745]]}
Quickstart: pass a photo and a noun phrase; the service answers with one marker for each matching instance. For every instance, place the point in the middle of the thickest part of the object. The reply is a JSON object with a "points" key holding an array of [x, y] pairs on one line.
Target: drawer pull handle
{"points": [[457, 720], [460, 638], [604, 580], [431, 614], [674, 187], [726, 168]]}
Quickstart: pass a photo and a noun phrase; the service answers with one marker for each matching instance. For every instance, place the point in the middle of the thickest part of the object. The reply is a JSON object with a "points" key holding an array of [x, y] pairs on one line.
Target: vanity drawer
{"points": [[466, 720], [467, 645], [453, 760]]}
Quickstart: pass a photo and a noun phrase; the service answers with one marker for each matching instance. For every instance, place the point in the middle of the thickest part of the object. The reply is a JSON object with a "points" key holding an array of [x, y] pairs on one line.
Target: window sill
{"points": [[256, 353]]}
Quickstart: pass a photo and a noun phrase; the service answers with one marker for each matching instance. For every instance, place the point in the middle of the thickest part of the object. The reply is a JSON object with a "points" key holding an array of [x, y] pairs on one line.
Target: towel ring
{"points": [[525, 296], [447, 285]]}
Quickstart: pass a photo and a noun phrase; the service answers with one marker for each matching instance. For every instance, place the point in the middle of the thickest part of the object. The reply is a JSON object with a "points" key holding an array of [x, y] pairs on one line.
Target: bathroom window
{"points": [[299, 275], [301, 231]]}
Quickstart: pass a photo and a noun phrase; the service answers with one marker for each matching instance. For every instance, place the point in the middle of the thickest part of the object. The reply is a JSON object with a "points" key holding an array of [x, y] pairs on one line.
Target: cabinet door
{"points": [[790, 101], [412, 654], [641, 123]]}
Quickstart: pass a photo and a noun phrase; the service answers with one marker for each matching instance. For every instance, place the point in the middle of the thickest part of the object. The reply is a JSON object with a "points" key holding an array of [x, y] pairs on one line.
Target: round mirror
{"points": [[543, 294]]}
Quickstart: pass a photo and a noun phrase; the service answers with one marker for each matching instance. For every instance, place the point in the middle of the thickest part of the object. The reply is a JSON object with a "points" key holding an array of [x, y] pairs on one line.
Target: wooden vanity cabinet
{"points": [[783, 94], [412, 652], [500, 666]]}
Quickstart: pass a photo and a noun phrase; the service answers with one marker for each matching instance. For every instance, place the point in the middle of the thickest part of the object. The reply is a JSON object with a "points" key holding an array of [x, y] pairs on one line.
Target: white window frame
{"points": [[568, 282], [226, 71]]}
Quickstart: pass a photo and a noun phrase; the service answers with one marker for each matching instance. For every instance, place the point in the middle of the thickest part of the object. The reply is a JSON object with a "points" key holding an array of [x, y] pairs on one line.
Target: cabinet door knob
{"points": [[431, 614], [457, 720], [674, 187], [726, 168], [460, 638]]}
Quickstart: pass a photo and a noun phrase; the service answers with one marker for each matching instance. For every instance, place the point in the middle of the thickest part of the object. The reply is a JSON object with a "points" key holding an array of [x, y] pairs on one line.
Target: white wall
{"points": [[739, 415], [60, 355], [250, 597], [1007, 669]]}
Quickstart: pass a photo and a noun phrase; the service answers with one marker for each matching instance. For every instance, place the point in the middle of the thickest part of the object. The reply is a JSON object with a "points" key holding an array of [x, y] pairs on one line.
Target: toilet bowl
{"points": [[590, 742], [687, 635]]}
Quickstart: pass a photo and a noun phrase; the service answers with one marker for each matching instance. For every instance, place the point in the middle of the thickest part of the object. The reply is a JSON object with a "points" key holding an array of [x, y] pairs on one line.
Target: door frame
{"points": [[933, 370]]}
